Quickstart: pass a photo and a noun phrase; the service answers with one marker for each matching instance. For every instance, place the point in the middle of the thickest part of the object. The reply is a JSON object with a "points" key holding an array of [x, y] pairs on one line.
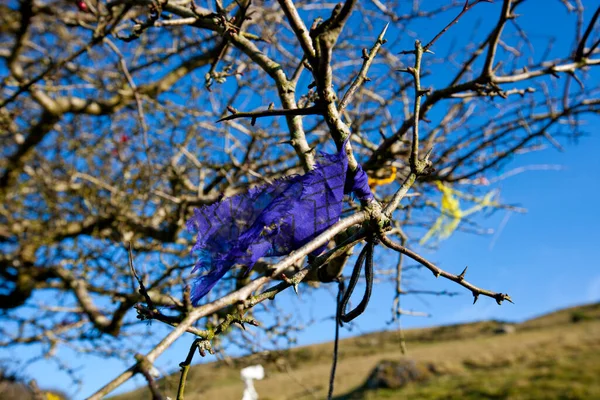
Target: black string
{"points": [[338, 323], [365, 257]]}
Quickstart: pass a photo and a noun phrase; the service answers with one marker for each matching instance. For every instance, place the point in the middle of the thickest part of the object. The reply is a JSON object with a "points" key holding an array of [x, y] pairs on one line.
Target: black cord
{"points": [[336, 341], [365, 257]]}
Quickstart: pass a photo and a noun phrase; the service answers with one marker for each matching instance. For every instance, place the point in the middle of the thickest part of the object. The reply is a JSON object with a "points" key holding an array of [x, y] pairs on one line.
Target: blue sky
{"points": [[545, 259]]}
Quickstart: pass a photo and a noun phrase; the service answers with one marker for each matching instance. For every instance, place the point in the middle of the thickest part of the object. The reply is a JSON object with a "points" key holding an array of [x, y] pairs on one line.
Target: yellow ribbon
{"points": [[374, 182], [451, 214]]}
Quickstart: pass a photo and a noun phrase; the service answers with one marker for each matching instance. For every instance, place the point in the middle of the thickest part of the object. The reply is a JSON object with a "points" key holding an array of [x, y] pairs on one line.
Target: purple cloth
{"points": [[272, 220]]}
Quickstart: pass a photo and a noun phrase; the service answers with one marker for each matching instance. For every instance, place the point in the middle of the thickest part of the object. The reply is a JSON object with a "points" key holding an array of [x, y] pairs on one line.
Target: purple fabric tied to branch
{"points": [[272, 220]]}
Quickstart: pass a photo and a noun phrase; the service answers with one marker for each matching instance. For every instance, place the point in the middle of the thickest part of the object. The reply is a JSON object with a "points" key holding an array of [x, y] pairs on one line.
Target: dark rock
{"points": [[396, 374], [505, 329]]}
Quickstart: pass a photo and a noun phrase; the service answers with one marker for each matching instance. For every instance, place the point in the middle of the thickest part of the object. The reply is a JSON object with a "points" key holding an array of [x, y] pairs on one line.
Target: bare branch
{"points": [[499, 297]]}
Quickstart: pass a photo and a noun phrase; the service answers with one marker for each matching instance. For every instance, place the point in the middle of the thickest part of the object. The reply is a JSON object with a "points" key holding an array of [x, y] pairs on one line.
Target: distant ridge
{"points": [[468, 352]]}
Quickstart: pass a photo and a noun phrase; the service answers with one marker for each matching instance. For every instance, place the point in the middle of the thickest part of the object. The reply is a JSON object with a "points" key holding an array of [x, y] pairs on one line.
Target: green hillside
{"points": [[554, 356]]}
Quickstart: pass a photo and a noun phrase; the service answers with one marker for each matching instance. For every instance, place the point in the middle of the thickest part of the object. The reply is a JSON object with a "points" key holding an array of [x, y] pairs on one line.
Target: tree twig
{"points": [[314, 110], [362, 75], [460, 279]]}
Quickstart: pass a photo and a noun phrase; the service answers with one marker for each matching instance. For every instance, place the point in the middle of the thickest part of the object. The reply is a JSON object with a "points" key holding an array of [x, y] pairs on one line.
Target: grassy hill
{"points": [[554, 356]]}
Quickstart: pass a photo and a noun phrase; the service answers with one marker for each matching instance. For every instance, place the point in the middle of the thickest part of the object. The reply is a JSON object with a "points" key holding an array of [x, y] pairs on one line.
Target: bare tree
{"points": [[107, 123]]}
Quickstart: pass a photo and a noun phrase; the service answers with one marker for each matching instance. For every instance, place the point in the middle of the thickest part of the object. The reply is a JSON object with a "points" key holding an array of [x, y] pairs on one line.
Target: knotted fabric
{"points": [[273, 219]]}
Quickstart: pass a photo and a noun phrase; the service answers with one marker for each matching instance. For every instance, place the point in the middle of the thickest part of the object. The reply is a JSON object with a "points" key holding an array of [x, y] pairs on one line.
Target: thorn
{"points": [[475, 297], [271, 105], [503, 296], [436, 274], [253, 121], [429, 153], [365, 54], [290, 282], [429, 51], [462, 274], [409, 70], [382, 34]]}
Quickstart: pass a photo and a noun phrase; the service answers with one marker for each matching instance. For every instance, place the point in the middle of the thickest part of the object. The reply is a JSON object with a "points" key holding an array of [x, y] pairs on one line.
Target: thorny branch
{"points": [[437, 272]]}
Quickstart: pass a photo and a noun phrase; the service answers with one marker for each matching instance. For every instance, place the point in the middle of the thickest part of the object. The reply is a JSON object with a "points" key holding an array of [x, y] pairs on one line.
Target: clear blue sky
{"points": [[545, 259]]}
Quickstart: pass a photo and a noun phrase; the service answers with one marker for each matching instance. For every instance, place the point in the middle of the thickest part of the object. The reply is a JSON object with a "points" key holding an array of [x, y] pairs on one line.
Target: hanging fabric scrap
{"points": [[382, 177], [451, 213], [272, 220]]}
